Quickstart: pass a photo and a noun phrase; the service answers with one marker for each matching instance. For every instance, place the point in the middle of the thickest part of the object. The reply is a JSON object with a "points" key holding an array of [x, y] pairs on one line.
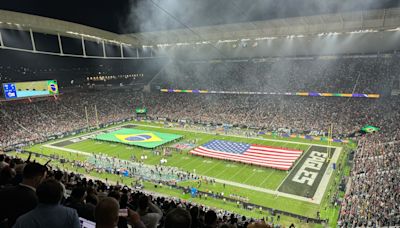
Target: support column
{"points": [[83, 46], [1, 41], [104, 49], [32, 40], [122, 51], [60, 44]]}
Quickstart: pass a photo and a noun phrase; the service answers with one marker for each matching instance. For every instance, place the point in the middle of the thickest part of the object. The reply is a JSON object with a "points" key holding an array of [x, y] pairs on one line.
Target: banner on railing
{"points": [[307, 94]]}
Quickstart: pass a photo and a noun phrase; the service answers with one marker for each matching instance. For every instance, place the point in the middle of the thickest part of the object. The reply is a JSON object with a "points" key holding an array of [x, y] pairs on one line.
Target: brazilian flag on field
{"points": [[369, 129], [143, 138]]}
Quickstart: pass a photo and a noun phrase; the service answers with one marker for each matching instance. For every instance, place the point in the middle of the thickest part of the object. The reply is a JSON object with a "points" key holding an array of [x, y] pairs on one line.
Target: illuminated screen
{"points": [[141, 110], [15, 90]]}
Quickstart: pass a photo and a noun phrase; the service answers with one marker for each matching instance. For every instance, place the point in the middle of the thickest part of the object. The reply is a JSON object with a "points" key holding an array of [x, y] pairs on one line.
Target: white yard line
{"points": [[212, 166], [264, 190], [192, 160], [68, 150], [237, 172], [273, 171], [248, 178], [319, 194]]}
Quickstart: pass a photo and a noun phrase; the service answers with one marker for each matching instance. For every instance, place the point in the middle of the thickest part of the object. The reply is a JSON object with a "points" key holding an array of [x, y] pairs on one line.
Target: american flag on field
{"points": [[278, 158]]}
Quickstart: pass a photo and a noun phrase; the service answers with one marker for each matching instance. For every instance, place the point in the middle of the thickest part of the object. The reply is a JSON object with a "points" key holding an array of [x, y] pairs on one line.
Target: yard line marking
{"points": [[208, 170], [237, 172], [267, 177], [193, 159], [248, 178]]}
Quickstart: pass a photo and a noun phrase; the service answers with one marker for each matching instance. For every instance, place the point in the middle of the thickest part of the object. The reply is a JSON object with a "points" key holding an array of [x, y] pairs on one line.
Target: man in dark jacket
{"points": [[49, 212], [18, 200], [77, 201]]}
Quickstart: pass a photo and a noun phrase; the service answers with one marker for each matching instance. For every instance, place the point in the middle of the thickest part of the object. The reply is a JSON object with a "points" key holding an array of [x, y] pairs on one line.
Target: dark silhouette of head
{"points": [[178, 218]]}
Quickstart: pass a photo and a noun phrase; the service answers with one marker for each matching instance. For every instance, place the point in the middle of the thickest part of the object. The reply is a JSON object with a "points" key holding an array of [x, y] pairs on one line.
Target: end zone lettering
{"points": [[310, 168], [308, 173]]}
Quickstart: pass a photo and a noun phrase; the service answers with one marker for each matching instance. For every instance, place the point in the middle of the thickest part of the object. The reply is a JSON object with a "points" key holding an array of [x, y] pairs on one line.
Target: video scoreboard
{"points": [[18, 90], [141, 110]]}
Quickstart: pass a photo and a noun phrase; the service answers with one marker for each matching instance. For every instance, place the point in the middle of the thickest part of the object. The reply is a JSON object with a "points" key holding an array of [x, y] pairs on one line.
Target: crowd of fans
{"points": [[373, 199], [319, 74], [38, 120], [299, 114], [373, 193], [35, 195]]}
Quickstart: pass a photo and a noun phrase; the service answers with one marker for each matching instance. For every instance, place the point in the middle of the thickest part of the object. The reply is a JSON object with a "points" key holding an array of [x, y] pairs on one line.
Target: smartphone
{"points": [[123, 212]]}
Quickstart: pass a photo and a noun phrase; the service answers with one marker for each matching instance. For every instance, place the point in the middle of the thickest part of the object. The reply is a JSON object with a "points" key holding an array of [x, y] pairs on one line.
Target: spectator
{"points": [[179, 218], [150, 214], [58, 175], [194, 213], [20, 199], [106, 213], [2, 162], [77, 201], [49, 212], [210, 220]]}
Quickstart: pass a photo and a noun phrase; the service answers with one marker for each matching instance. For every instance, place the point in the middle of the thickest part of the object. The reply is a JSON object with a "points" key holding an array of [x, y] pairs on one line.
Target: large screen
{"points": [[15, 90], [141, 110]]}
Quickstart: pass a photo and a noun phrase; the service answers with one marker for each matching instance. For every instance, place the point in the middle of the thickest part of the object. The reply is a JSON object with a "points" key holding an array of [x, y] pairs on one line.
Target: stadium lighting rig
{"points": [[290, 36], [394, 29], [364, 31], [97, 38]]}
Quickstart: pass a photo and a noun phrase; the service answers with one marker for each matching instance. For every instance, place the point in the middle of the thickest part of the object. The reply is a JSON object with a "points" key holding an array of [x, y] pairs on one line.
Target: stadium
{"points": [[200, 114]]}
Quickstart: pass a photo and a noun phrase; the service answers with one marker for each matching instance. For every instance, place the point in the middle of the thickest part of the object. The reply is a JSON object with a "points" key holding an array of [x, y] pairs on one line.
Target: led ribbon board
{"points": [[308, 94]]}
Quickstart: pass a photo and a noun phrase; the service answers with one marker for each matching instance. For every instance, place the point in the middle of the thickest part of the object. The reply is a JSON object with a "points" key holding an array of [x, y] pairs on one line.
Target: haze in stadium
{"points": [[148, 113]]}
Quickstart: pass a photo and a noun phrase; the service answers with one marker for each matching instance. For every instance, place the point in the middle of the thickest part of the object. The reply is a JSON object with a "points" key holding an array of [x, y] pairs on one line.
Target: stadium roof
{"points": [[342, 22], [359, 21], [133, 16]]}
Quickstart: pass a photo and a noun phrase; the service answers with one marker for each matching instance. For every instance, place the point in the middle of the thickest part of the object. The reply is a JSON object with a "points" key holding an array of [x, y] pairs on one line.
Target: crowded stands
{"points": [[58, 192], [373, 194]]}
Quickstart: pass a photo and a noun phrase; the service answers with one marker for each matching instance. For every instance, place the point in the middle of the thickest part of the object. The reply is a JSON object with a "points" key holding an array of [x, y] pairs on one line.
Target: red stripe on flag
{"points": [[273, 149], [247, 157], [283, 164], [243, 161], [273, 153]]}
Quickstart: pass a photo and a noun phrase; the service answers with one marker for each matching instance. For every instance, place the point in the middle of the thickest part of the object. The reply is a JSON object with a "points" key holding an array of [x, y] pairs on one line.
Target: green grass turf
{"points": [[231, 171], [246, 174]]}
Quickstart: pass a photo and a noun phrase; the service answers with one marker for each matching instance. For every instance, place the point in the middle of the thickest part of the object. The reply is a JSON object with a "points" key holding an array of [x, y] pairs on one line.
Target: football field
{"points": [[300, 190]]}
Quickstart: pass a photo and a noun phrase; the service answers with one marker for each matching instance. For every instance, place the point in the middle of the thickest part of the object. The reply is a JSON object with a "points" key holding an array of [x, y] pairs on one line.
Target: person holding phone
{"points": [[108, 212]]}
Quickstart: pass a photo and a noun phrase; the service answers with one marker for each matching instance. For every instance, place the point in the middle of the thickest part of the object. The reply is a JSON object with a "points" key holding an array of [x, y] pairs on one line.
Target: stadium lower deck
{"points": [[299, 191]]}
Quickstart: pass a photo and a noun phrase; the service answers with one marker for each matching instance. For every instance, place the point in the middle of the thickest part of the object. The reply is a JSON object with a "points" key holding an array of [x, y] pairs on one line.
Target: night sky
{"points": [[127, 16]]}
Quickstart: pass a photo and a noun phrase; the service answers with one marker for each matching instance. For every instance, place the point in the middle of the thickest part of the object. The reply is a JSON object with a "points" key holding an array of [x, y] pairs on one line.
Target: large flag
{"points": [[266, 156], [137, 137], [369, 129]]}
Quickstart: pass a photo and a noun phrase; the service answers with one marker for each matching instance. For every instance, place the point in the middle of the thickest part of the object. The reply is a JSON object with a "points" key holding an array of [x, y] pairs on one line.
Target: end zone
{"points": [[310, 178]]}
